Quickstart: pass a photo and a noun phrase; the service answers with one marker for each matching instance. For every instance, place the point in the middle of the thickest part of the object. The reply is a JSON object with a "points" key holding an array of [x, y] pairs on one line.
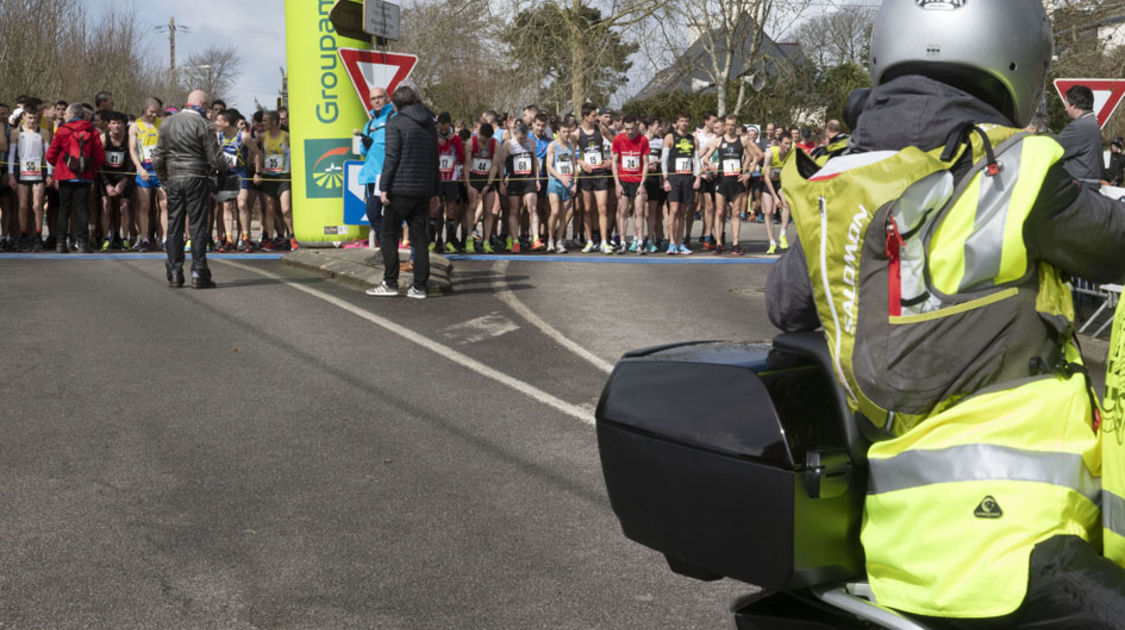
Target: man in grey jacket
{"points": [[186, 157], [1082, 138], [409, 181]]}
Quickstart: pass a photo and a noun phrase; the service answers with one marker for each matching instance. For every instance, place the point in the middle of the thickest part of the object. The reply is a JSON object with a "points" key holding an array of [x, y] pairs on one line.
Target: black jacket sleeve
{"points": [[789, 296], [392, 154], [1077, 229]]}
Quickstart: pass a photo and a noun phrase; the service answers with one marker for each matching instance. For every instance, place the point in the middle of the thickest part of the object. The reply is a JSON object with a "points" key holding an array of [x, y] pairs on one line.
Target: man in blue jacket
{"points": [[374, 144]]}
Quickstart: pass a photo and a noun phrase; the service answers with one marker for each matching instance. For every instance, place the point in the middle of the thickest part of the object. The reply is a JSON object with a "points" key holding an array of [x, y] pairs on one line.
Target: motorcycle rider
{"points": [[932, 253]]}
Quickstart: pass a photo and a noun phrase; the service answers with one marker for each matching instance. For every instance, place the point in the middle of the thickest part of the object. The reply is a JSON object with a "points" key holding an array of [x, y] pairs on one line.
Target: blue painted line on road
{"points": [[655, 259], [131, 256]]}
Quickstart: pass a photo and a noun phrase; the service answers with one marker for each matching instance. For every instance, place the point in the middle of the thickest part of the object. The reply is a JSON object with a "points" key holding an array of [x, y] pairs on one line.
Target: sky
{"points": [[255, 27]]}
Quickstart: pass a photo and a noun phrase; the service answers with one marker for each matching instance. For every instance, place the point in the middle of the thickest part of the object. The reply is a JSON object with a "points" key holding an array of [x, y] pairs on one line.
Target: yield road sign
{"points": [[1107, 94], [371, 68]]}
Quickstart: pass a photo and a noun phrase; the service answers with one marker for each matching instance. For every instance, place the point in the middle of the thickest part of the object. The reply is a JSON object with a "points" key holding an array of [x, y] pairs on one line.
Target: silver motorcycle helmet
{"points": [[996, 50]]}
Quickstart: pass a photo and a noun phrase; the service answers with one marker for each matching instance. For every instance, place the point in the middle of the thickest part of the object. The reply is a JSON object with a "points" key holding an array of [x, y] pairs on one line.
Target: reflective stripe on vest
{"points": [[983, 462], [979, 243], [1113, 513]]}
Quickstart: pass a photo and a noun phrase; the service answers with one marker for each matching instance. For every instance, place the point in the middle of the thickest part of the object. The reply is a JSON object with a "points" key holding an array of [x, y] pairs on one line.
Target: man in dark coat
{"points": [[409, 181]]}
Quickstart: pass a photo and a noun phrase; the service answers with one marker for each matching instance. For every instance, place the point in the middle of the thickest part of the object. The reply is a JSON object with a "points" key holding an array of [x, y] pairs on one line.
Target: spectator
{"points": [[374, 145], [77, 154], [1114, 174], [1082, 138], [103, 102], [186, 156], [409, 181]]}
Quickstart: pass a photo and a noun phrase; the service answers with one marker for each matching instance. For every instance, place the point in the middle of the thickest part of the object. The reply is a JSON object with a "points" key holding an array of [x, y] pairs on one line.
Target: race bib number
{"points": [[631, 163], [146, 153], [683, 165], [445, 163], [275, 164], [115, 159], [231, 159], [481, 166], [732, 168], [521, 165], [31, 169], [565, 168], [593, 157]]}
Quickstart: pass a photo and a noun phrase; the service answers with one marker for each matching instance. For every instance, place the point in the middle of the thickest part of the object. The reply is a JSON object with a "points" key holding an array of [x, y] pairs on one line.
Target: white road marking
{"points": [[575, 411], [507, 297], [476, 330]]}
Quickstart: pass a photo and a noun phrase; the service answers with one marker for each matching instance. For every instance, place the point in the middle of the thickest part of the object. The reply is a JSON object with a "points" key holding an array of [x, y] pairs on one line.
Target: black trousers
{"points": [[189, 199], [74, 195], [415, 211], [1070, 587], [374, 213]]}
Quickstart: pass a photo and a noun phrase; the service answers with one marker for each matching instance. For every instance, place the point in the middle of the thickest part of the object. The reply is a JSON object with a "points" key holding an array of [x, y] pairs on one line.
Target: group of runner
{"points": [[131, 208], [619, 182]]}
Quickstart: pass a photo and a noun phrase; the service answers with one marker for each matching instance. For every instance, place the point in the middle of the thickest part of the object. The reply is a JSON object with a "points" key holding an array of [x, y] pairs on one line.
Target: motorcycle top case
{"points": [[733, 460]]}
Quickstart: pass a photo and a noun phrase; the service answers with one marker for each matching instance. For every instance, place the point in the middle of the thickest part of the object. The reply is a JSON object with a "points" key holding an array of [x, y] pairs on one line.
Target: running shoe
{"points": [[672, 249], [708, 242], [107, 245], [450, 248], [784, 241], [509, 243], [538, 245], [772, 249], [470, 246], [737, 250], [415, 293], [652, 248], [607, 248], [588, 248], [51, 243], [515, 249], [187, 245], [682, 249], [36, 244], [560, 248], [634, 247], [293, 244], [486, 247], [432, 246], [245, 246], [761, 218], [267, 245], [718, 251], [383, 290]]}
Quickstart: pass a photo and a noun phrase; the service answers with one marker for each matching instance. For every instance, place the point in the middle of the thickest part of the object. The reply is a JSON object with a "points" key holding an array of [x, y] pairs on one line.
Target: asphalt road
{"points": [[258, 456]]}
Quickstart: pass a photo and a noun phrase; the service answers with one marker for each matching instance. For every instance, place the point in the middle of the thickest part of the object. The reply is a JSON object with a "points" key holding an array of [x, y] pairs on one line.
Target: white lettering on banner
{"points": [[732, 168], [683, 165], [631, 163], [481, 166], [851, 271], [522, 165]]}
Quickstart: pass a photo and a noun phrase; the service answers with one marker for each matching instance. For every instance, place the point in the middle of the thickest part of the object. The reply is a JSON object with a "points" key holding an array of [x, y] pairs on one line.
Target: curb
{"points": [[362, 268]]}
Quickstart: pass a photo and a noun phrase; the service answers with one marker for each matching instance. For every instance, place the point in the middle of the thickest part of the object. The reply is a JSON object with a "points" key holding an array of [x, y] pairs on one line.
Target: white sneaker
{"points": [[588, 248], [560, 248], [383, 290], [607, 248], [415, 293]]}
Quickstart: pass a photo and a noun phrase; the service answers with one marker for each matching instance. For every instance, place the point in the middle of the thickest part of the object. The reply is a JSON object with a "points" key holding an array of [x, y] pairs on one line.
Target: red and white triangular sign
{"points": [[1107, 94], [371, 68]]}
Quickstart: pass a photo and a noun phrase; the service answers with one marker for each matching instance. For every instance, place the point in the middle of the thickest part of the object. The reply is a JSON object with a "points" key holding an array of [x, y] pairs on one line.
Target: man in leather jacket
{"points": [[186, 157]]}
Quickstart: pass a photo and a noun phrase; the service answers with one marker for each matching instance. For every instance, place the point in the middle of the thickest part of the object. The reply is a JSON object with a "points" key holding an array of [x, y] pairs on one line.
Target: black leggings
{"points": [[76, 194]]}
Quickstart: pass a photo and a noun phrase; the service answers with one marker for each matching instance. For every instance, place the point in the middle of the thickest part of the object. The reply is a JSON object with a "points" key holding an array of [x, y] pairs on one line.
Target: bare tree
{"points": [[838, 37], [213, 70], [728, 34]]}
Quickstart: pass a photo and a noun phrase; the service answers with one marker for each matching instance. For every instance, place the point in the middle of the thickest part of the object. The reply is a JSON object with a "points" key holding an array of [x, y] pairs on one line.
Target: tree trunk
{"points": [[577, 59]]}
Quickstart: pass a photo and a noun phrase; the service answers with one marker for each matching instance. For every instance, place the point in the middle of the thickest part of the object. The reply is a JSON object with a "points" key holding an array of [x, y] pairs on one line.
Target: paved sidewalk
{"points": [[363, 267]]}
